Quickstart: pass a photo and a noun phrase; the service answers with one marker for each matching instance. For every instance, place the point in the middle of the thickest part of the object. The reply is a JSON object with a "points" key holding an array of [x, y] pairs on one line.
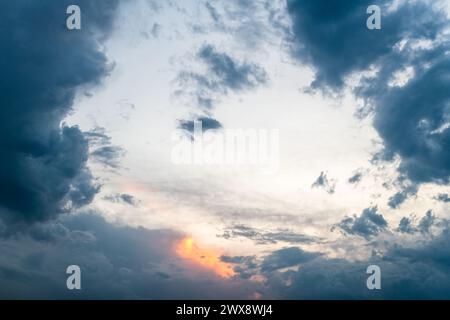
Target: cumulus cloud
{"points": [[43, 166]]}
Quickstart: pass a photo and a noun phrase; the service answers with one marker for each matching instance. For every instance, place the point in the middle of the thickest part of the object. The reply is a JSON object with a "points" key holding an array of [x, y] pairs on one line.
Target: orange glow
{"points": [[187, 249]]}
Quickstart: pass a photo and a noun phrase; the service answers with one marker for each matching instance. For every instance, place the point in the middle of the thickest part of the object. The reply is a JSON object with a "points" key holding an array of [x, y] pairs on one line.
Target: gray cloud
{"points": [[329, 185], [405, 226], [424, 226], [102, 149], [43, 166], [207, 123], [116, 262], [369, 223], [286, 257], [356, 178], [397, 199], [267, 237], [122, 198], [224, 75], [411, 119], [443, 197]]}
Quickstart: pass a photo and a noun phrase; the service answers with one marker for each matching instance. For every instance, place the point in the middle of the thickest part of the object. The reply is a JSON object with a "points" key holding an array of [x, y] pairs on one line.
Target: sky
{"points": [[114, 149]]}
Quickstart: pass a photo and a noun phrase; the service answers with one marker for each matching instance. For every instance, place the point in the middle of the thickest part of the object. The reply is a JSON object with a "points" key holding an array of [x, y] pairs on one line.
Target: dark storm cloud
{"points": [[43, 165], [412, 119], [267, 237], [329, 185], [224, 74], [405, 274], [369, 223], [333, 37], [117, 262]]}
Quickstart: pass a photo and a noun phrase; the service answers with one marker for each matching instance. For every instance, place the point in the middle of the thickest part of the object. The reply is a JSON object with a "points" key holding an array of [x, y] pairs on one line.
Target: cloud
{"points": [[427, 222], [411, 118], [117, 262], [412, 121], [369, 223], [223, 74], [397, 199], [332, 35], [286, 257], [415, 271], [102, 149], [252, 24], [122, 198], [43, 165], [443, 197], [207, 123], [329, 185], [405, 226], [356, 178], [267, 237], [424, 226]]}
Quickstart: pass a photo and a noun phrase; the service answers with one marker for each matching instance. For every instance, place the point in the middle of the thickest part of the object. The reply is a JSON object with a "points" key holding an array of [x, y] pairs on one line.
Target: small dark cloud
{"points": [[329, 185], [207, 123], [244, 266], [102, 149], [443, 197], [122, 198], [369, 223], [356, 178], [397, 199], [406, 226], [424, 226]]}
